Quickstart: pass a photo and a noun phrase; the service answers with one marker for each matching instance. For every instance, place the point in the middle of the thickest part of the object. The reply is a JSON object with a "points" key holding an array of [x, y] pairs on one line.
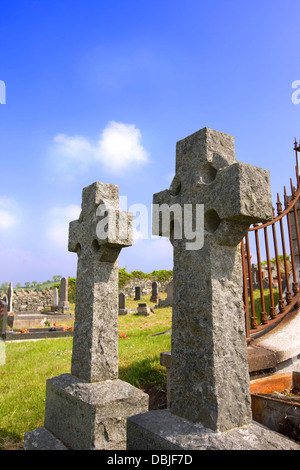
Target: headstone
{"points": [[154, 296], [169, 300], [88, 409], [122, 300], [4, 317], [55, 300], [143, 309], [137, 293], [10, 294], [122, 304], [63, 297], [253, 273], [209, 385]]}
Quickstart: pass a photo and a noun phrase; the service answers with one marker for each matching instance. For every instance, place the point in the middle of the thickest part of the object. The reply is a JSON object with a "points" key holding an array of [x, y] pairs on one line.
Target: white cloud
{"points": [[119, 148], [75, 148], [8, 218], [58, 228]]}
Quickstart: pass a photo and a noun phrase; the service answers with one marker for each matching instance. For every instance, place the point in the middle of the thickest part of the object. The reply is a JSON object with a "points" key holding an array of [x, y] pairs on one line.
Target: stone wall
{"points": [[32, 301], [37, 300]]}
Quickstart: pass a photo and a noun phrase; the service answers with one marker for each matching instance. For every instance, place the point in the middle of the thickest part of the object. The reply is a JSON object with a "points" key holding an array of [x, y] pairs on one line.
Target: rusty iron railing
{"points": [[270, 296]]}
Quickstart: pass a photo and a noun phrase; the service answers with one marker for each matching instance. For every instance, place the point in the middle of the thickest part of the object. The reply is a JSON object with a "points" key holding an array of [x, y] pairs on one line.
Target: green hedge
{"points": [[160, 276]]}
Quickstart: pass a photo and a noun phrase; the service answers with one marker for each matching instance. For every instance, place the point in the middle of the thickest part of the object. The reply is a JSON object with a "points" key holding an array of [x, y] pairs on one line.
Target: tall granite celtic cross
{"points": [[88, 409], [209, 372], [95, 343]]}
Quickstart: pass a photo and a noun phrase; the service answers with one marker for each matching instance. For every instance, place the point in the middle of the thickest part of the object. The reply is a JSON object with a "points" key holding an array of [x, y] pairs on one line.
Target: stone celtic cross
{"points": [[88, 409], [209, 370], [95, 343]]}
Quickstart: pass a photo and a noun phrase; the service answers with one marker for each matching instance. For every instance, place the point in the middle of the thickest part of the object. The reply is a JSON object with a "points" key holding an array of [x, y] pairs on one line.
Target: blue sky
{"points": [[103, 90]]}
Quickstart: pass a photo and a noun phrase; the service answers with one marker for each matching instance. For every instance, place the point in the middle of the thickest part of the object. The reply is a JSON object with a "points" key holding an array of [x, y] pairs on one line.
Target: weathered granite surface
{"points": [[209, 381], [160, 430], [89, 416], [42, 439], [87, 410], [95, 346]]}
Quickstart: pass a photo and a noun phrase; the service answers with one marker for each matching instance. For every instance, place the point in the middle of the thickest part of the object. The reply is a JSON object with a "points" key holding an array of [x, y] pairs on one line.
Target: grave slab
{"points": [[161, 430]]}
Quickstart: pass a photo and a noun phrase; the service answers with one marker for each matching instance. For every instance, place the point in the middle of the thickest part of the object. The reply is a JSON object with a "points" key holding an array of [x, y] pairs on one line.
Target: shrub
{"points": [[72, 289], [124, 277]]}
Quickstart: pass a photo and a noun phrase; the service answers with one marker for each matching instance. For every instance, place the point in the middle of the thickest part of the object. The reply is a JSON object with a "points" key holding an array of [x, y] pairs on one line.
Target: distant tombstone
{"points": [[253, 273], [154, 296], [137, 293], [55, 299], [122, 309], [121, 300], [63, 298], [143, 309], [10, 294], [169, 300], [4, 318]]}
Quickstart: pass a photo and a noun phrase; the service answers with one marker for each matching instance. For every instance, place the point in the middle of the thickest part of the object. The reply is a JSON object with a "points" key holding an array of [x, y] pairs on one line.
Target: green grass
{"points": [[139, 351], [28, 364], [257, 303], [22, 383]]}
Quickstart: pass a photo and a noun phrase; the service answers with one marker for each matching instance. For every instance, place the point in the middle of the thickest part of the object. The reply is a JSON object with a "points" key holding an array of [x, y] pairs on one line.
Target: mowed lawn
{"points": [[28, 364]]}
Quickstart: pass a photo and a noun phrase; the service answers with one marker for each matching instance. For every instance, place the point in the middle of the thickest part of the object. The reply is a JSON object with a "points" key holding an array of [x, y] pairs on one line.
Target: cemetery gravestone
{"points": [[137, 293], [4, 317], [169, 300], [122, 304], [10, 294], [63, 297], [55, 300], [154, 295], [209, 384], [87, 409], [143, 309]]}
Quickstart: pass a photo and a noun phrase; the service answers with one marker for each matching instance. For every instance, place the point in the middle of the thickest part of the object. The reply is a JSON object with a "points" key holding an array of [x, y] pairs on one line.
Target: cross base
{"points": [[160, 430], [86, 416]]}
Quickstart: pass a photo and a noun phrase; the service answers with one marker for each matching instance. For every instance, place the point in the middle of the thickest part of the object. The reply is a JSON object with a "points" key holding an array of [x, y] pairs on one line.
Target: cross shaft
{"points": [[209, 371]]}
